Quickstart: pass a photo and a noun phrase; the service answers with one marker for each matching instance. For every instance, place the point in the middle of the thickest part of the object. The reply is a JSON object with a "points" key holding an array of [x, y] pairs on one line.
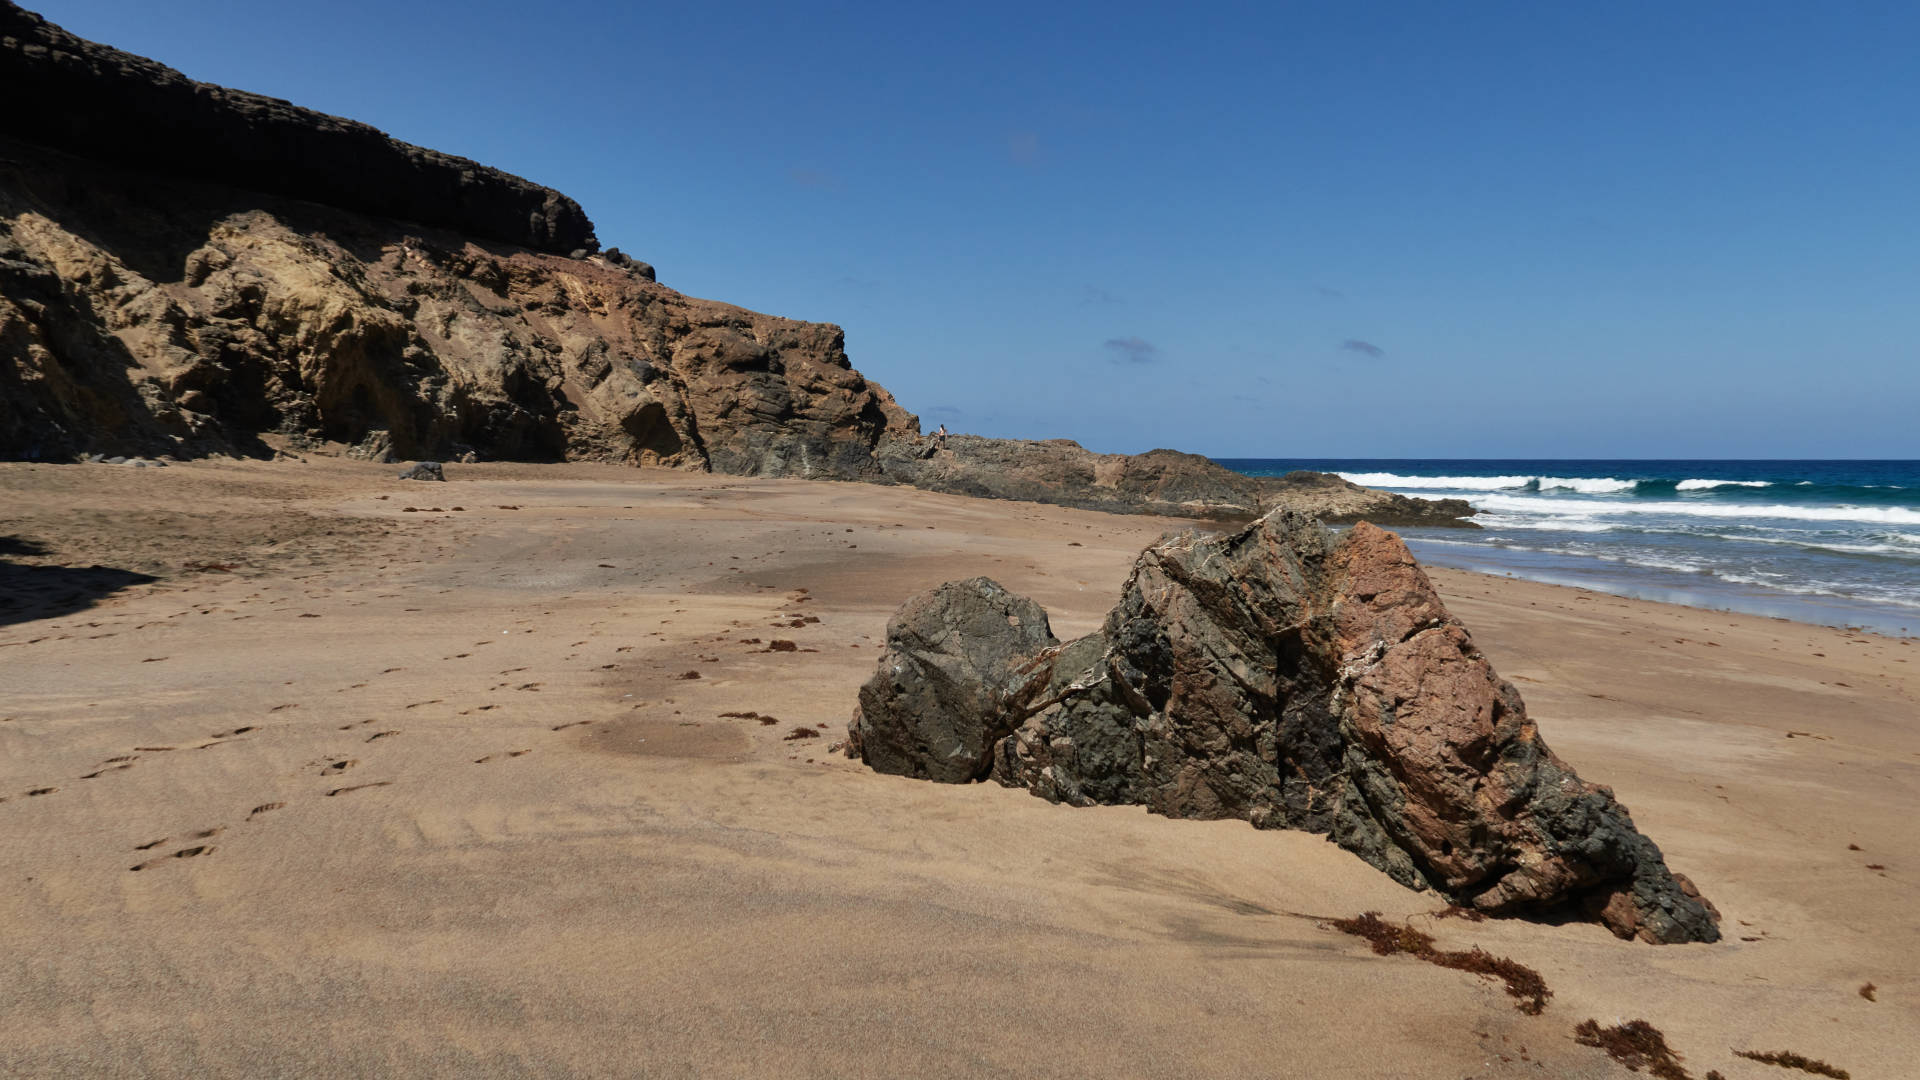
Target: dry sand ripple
{"points": [[394, 793]]}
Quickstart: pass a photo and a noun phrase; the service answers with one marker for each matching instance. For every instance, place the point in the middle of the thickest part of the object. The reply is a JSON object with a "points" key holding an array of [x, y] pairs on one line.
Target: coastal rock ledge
{"points": [[1290, 679]]}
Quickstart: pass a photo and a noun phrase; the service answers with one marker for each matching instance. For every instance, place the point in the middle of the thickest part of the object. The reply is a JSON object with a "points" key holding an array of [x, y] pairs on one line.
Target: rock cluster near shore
{"points": [[1288, 679], [188, 270], [1062, 472]]}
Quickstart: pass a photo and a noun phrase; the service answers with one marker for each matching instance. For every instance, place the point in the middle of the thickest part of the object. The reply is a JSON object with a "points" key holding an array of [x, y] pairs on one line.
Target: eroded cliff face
{"points": [[91, 99], [146, 314]]}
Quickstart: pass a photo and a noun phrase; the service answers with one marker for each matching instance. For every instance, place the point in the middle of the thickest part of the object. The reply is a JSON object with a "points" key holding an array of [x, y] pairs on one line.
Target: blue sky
{"points": [[1339, 229]]}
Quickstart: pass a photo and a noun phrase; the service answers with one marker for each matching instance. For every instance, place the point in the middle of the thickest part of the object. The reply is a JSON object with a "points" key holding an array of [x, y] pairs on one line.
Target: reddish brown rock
{"points": [[1277, 676]]}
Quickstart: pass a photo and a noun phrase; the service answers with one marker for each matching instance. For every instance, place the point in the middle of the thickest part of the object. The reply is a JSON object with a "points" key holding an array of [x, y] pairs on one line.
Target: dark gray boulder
{"points": [[424, 470], [930, 709]]}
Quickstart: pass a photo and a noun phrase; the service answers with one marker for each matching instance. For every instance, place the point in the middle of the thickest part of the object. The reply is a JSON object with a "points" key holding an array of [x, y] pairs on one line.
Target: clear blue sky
{"points": [[1336, 229]]}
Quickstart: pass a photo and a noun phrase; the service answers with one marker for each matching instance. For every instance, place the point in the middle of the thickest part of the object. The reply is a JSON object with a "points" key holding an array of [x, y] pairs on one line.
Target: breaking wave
{"points": [[1581, 484], [1881, 515], [1708, 485]]}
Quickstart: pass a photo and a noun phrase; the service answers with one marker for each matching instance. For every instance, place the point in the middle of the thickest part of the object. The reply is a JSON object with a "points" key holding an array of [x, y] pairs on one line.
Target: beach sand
{"points": [[369, 792]]}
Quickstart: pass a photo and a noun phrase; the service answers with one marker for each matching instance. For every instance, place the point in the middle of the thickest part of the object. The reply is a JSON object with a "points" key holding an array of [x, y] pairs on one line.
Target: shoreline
{"points": [[1691, 591], [1827, 542], [457, 783]]}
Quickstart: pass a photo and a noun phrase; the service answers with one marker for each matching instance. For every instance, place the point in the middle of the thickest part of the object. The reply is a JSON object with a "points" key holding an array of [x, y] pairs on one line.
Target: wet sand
{"points": [[347, 789]]}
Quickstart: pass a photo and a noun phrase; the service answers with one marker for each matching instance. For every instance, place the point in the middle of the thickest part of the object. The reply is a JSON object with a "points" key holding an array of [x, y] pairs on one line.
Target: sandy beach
{"points": [[380, 778]]}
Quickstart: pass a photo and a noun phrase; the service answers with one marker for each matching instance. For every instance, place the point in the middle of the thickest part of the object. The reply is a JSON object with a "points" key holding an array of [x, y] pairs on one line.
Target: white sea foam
{"points": [[1833, 589], [1705, 485], [1586, 485], [1442, 483], [1824, 545], [1583, 484], [1570, 508], [1563, 524]]}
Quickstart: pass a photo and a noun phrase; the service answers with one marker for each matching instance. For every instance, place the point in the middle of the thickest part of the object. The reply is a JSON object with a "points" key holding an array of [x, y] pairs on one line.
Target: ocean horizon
{"points": [[1834, 542]]}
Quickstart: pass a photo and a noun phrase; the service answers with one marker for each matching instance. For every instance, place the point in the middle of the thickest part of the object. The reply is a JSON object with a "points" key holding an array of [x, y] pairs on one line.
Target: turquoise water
{"points": [[1833, 542]]}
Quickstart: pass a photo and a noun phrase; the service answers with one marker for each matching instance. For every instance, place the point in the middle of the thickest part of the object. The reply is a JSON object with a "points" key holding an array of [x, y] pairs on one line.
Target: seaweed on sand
{"points": [[1522, 982]]}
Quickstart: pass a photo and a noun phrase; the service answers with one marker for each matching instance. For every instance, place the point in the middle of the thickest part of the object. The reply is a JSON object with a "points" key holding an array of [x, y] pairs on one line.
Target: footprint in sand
{"points": [[358, 787], [183, 853]]}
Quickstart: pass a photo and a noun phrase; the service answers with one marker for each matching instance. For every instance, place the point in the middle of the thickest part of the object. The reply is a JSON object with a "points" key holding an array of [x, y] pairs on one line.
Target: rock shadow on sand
{"points": [[29, 592]]}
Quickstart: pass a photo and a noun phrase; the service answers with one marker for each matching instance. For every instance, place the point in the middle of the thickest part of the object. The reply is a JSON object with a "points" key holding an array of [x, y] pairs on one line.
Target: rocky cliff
{"points": [[141, 313], [187, 269], [1288, 679], [94, 100]]}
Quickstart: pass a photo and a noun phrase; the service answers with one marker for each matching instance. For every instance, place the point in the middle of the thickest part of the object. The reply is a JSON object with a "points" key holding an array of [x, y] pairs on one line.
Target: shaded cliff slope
{"points": [[116, 107]]}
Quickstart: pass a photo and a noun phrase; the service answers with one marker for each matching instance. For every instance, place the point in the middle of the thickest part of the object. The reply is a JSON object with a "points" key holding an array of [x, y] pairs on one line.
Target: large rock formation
{"points": [[1277, 676], [141, 313], [187, 269]]}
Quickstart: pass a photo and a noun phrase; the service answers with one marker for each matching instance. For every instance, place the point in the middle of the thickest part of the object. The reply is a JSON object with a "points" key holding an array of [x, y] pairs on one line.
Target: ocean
{"points": [[1830, 542]]}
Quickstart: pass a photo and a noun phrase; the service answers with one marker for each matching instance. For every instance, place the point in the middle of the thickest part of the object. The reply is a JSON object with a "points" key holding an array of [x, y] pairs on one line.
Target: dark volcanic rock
{"points": [[1064, 473], [425, 470], [99, 102], [1339, 501], [1277, 676], [931, 713]]}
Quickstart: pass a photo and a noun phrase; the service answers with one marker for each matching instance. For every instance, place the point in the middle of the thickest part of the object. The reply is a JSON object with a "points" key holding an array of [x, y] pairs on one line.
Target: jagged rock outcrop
{"points": [[140, 313], [1339, 501], [187, 269], [1064, 473], [1282, 677], [98, 102]]}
